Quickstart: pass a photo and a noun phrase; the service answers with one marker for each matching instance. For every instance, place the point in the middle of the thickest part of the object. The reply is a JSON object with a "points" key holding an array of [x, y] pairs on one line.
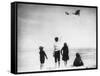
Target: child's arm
{"points": [[45, 55], [61, 51]]}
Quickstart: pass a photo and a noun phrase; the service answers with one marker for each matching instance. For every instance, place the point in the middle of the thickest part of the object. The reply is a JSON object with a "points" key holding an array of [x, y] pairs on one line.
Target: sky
{"points": [[39, 24]]}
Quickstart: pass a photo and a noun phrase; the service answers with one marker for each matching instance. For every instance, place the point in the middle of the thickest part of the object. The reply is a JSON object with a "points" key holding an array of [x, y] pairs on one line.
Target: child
{"points": [[78, 61], [56, 53], [65, 53], [42, 56]]}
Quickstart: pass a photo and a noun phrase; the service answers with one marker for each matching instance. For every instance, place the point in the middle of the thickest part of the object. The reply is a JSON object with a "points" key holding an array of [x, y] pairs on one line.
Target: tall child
{"points": [[57, 52]]}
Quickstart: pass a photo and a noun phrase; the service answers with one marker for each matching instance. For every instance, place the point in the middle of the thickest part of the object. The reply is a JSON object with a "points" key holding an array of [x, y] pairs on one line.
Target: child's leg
{"points": [[58, 63], [65, 62], [58, 58], [41, 66], [55, 59]]}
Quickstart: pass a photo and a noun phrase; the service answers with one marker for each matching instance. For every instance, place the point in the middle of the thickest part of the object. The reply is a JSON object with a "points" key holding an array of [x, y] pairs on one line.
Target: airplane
{"points": [[66, 13], [77, 12]]}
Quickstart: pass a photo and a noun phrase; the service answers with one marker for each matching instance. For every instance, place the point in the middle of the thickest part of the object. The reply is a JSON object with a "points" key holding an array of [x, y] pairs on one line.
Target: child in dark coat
{"points": [[65, 53], [78, 61], [42, 56]]}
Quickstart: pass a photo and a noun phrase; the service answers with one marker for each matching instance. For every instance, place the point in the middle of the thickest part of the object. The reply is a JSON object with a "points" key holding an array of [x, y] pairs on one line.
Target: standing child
{"points": [[56, 53], [65, 53], [42, 57]]}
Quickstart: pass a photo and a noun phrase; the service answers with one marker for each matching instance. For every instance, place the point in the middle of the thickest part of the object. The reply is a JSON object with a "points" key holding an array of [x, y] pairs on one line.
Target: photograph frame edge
{"points": [[14, 39]]}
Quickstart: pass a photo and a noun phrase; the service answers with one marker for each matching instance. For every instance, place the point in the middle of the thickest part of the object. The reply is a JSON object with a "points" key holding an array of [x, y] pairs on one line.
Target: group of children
{"points": [[64, 51]]}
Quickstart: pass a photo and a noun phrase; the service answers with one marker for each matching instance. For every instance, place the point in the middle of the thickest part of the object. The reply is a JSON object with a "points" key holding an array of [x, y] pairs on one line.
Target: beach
{"points": [[28, 61]]}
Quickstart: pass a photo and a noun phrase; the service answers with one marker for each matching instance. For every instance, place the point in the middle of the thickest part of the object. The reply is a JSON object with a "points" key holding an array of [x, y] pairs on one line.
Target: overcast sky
{"points": [[39, 24]]}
